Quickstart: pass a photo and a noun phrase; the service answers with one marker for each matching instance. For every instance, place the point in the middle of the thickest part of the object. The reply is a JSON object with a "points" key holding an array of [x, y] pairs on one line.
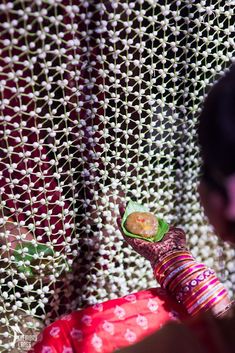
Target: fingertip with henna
{"points": [[121, 210], [119, 222]]}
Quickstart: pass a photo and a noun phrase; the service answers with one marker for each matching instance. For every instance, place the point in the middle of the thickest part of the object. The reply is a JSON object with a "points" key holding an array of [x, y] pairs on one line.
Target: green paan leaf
{"points": [[32, 249], [132, 206]]}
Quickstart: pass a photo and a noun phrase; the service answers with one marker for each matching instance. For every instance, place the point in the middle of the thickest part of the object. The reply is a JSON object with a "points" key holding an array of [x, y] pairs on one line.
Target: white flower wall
{"points": [[99, 105]]}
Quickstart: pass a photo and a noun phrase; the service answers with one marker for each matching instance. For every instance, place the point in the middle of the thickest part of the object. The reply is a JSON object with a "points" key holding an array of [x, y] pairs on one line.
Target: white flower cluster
{"points": [[99, 105]]}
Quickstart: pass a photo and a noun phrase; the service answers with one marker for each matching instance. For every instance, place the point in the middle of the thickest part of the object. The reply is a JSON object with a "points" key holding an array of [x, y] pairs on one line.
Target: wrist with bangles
{"points": [[190, 282]]}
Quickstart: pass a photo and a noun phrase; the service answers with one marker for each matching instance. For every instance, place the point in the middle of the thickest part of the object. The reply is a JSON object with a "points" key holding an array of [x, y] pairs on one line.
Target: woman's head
{"points": [[217, 140]]}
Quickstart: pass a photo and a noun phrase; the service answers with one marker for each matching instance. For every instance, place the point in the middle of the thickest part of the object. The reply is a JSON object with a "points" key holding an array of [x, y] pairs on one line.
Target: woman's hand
{"points": [[174, 239]]}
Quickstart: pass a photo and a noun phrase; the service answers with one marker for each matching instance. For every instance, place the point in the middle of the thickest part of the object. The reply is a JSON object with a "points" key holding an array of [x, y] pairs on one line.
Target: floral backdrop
{"points": [[99, 105]]}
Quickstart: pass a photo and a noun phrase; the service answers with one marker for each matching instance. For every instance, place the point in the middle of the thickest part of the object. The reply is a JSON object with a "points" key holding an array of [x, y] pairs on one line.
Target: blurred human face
{"points": [[214, 205]]}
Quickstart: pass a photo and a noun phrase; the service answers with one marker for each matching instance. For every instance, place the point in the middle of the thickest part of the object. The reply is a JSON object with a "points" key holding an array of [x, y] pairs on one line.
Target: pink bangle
{"points": [[164, 277], [187, 288], [180, 258], [175, 272], [206, 287], [164, 264], [186, 275], [170, 263], [207, 299], [192, 283], [214, 301]]}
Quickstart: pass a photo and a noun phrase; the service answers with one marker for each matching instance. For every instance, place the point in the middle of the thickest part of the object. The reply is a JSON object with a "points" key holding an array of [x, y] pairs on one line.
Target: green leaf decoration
{"points": [[27, 270], [132, 206], [31, 250]]}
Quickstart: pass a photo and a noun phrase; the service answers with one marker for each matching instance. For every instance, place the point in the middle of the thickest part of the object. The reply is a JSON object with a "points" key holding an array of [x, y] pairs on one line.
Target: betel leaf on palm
{"points": [[162, 229]]}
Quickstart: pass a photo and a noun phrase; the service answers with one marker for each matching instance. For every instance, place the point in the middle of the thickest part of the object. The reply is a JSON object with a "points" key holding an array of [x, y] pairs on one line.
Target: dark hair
{"points": [[217, 130]]}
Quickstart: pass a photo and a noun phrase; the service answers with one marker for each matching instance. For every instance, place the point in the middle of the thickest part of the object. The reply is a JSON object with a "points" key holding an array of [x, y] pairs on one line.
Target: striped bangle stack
{"points": [[191, 283]]}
